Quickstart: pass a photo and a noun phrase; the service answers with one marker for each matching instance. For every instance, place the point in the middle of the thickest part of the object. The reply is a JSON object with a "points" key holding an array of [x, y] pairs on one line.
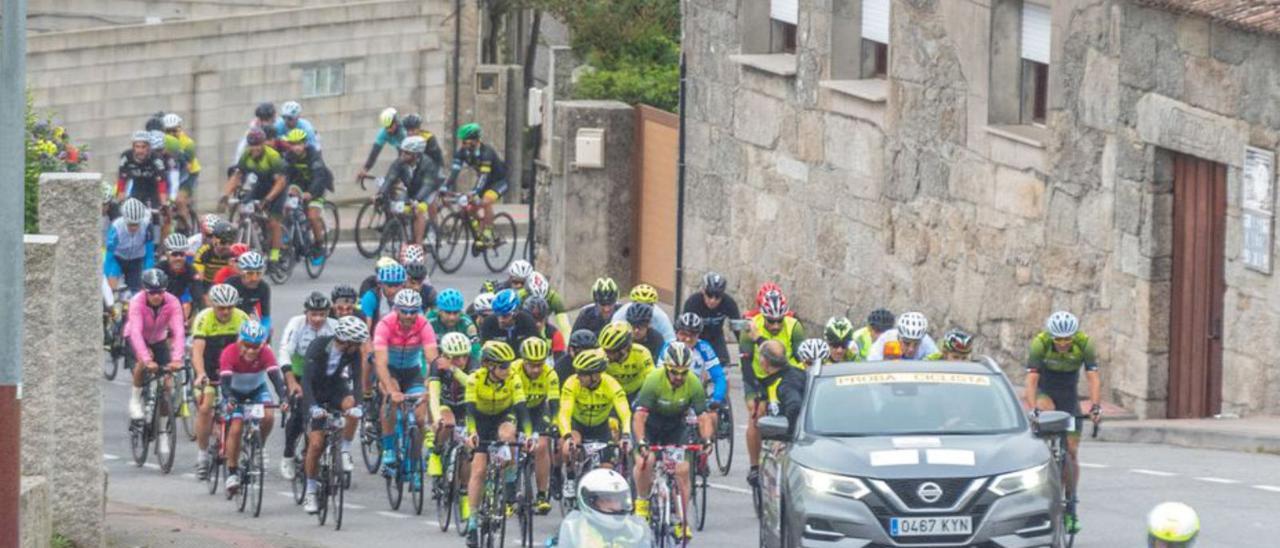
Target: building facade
{"points": [[989, 161]]}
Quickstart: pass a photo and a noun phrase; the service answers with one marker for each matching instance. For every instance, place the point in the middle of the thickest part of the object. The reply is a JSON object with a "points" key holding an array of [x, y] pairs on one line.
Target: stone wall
{"points": [[56, 15]]}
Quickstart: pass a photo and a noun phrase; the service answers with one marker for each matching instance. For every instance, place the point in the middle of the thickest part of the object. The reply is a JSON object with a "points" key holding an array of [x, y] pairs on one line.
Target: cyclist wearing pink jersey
{"points": [[400, 342], [155, 333]]}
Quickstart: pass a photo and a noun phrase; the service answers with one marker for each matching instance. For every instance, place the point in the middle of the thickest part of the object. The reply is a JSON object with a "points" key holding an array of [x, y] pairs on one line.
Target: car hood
{"points": [[893, 457]]}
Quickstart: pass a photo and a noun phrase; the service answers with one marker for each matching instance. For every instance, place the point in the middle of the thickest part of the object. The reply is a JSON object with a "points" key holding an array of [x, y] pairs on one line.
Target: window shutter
{"points": [[1035, 32], [787, 11], [875, 20]]}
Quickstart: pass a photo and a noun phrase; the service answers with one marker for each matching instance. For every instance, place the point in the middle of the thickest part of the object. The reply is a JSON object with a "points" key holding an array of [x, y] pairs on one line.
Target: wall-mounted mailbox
{"points": [[589, 149]]}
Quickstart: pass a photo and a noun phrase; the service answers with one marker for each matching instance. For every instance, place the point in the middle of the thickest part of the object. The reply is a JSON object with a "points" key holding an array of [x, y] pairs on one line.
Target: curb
{"points": [[1196, 438]]}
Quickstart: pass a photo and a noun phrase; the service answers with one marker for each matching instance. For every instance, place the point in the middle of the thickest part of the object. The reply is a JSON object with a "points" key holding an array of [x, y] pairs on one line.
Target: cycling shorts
{"points": [[274, 208], [1066, 400], [539, 419], [159, 352], [261, 395], [410, 380], [599, 432], [487, 427], [661, 430], [188, 185], [494, 190]]}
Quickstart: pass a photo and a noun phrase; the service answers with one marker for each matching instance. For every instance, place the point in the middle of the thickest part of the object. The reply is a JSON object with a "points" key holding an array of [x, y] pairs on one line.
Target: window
{"points": [[323, 80], [1021, 45], [875, 38], [1034, 68], [783, 15]]}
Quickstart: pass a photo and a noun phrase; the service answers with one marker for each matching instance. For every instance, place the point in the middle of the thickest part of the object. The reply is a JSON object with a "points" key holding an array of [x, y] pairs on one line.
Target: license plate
{"points": [[945, 525], [246, 208], [255, 411], [294, 202]]}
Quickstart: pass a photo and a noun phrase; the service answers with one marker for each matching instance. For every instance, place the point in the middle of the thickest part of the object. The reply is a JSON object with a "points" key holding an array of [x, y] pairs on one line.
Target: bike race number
{"points": [[946, 525]]}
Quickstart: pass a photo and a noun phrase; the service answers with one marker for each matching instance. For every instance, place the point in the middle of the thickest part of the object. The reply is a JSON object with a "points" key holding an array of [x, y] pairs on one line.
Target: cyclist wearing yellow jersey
{"points": [[839, 336], [542, 395], [586, 400], [771, 324], [213, 329], [495, 403], [879, 321], [629, 362]]}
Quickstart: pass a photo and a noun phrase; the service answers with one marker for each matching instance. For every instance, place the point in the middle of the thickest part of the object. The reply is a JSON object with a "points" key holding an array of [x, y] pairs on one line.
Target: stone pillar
{"points": [[40, 353], [33, 512], [70, 210]]}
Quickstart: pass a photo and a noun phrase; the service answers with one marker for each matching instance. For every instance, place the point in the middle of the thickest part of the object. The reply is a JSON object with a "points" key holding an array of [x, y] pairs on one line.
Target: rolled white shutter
{"points": [[875, 20], [1036, 32], [787, 11]]}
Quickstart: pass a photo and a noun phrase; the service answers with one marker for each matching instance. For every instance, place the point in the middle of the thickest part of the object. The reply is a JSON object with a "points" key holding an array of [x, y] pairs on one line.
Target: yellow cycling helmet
{"points": [[295, 136], [645, 294], [497, 352], [604, 291], [615, 336], [535, 349], [590, 361]]}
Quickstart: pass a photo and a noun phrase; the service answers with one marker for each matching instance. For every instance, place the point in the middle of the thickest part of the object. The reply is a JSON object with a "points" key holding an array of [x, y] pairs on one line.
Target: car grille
{"points": [[907, 489]]}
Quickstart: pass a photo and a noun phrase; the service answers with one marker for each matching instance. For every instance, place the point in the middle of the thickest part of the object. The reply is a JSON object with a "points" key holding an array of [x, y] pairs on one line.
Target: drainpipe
{"points": [[457, 70], [680, 184]]}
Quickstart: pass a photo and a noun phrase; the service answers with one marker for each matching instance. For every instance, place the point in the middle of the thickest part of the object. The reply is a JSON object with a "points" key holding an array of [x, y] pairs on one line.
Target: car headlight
{"points": [[843, 486], [1021, 480]]}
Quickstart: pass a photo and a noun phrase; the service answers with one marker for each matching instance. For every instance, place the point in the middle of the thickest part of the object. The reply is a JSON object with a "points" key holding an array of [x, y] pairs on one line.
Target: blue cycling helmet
{"points": [[392, 274], [506, 302], [253, 332], [450, 300]]}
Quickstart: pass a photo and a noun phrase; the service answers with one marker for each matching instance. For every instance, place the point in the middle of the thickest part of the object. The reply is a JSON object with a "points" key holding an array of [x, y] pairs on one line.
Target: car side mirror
{"points": [[1052, 423], [774, 428]]}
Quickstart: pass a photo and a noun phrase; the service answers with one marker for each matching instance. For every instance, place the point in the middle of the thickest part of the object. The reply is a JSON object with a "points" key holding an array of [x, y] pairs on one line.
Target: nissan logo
{"points": [[929, 492]]}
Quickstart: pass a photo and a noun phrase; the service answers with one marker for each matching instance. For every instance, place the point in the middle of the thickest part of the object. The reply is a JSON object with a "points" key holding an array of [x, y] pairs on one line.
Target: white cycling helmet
{"points": [[455, 344], [408, 299], [351, 329], [413, 145], [291, 109], [1062, 324], [176, 242], [251, 261], [156, 139], [520, 269], [483, 303], [171, 121], [813, 350], [210, 220], [1172, 525], [223, 295], [134, 212], [387, 117], [604, 498], [538, 285], [912, 326], [142, 136]]}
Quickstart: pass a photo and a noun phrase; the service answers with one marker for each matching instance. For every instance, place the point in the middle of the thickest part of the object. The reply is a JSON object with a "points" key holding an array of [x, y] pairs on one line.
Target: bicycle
{"points": [[1062, 459], [451, 482], [216, 451], [371, 433], [334, 481], [724, 438], [666, 508], [491, 515], [526, 497], [113, 339], [187, 395], [409, 465], [587, 456], [250, 222], [461, 226], [160, 422], [298, 240], [252, 472]]}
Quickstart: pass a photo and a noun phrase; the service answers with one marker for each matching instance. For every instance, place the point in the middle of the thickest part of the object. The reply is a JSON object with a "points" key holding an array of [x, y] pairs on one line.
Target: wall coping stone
{"points": [[1029, 135], [1177, 126], [777, 64], [871, 90]]}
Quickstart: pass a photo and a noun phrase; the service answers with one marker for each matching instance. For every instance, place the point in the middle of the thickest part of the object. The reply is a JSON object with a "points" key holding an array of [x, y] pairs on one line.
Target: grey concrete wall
{"points": [[39, 390], [33, 513], [56, 15]]}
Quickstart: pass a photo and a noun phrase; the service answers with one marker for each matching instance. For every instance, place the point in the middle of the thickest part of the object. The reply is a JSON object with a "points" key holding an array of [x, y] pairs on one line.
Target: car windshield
{"points": [[883, 404]]}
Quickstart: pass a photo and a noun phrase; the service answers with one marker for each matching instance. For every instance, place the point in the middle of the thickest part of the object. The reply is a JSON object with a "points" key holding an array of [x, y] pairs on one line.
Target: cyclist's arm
{"points": [[720, 384], [177, 328], [288, 340], [175, 176], [314, 365], [698, 395], [233, 182], [433, 396], [433, 151], [797, 337], [369, 304], [110, 265], [375, 150], [469, 405], [623, 409], [1091, 373], [1035, 360], [746, 348], [523, 424], [197, 354], [133, 332], [553, 391], [644, 400], [381, 341], [568, 399], [732, 313], [278, 185]]}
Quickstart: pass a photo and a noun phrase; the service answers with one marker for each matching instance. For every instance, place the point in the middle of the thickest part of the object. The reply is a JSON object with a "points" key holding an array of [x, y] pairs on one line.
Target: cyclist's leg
{"points": [[353, 413], [541, 451], [402, 378], [275, 212], [235, 423], [204, 417], [315, 215], [419, 222], [751, 394], [315, 445], [486, 431], [268, 412]]}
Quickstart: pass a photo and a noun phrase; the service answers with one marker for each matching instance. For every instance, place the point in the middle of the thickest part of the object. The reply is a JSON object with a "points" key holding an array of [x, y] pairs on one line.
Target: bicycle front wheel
{"points": [[257, 474], [453, 239], [299, 482], [417, 470], [699, 498], [502, 248], [167, 436], [337, 485], [332, 225], [368, 233], [528, 499], [724, 438], [371, 438], [392, 237]]}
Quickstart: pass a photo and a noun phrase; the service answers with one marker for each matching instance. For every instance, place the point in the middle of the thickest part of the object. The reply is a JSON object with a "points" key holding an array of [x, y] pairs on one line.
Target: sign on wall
{"points": [[1258, 206]]}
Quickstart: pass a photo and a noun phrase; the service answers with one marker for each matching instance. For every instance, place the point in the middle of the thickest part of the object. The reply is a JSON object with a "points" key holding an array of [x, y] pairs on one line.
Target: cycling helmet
{"points": [[408, 300], [134, 211], [154, 122], [352, 329], [239, 248], [644, 293], [251, 261], [1172, 524], [154, 280], [343, 291], [291, 109], [416, 270], [483, 304], [957, 341], [392, 274], [412, 122], [450, 300], [388, 117], [295, 136], [689, 322], [157, 139], [413, 145], [839, 330], [520, 269], [713, 283], [535, 349], [765, 288], [255, 136], [1062, 324], [590, 361], [773, 306], [143, 136], [582, 339], [506, 302], [469, 131], [537, 285], [677, 357], [265, 111], [638, 313], [912, 326], [383, 262], [537, 307], [224, 295], [253, 332], [171, 121], [604, 498], [604, 291], [489, 286], [455, 344], [317, 301], [176, 242], [813, 350], [615, 336], [210, 220], [881, 319], [412, 253], [497, 352]]}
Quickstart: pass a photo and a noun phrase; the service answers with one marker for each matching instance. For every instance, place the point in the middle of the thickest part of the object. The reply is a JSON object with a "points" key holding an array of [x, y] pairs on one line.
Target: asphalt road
{"points": [[1235, 493]]}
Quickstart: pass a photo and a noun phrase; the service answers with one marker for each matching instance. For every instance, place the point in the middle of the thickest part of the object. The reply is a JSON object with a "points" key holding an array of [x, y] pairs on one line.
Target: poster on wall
{"points": [[1258, 178], [1256, 245]]}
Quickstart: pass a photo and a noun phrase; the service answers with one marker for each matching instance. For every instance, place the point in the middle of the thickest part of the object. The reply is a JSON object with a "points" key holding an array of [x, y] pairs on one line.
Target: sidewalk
{"points": [[1260, 434], [131, 526]]}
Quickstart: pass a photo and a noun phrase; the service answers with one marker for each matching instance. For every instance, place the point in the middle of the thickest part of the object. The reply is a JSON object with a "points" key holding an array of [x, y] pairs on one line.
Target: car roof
{"points": [[910, 366]]}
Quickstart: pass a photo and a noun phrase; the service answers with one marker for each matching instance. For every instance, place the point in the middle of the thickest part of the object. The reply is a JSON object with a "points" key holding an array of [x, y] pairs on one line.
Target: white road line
{"points": [[1211, 479], [108, 456], [284, 494], [1270, 488], [729, 488], [152, 465], [1157, 473], [189, 475], [385, 513], [351, 506], [1093, 465]]}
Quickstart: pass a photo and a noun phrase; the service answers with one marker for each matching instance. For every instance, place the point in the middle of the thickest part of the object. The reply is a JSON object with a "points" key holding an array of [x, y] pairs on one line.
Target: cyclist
{"points": [[330, 363], [542, 395], [390, 132], [246, 368], [490, 168], [765, 289], [143, 174], [447, 317], [413, 128], [580, 340], [1053, 370], [783, 388], [957, 345], [255, 292], [416, 280], [214, 255], [629, 362], [910, 337], [538, 286], [481, 308], [715, 307], [496, 410], [878, 321], [400, 342], [197, 239], [647, 294], [706, 364], [639, 315], [813, 352], [508, 323], [839, 337], [214, 329], [771, 324], [603, 516], [517, 276], [305, 169], [128, 245], [343, 301], [446, 389], [538, 309], [411, 170], [298, 335], [669, 394], [291, 119], [1172, 525], [262, 171], [183, 149], [587, 398], [177, 267], [604, 296], [383, 286], [155, 332], [264, 119]]}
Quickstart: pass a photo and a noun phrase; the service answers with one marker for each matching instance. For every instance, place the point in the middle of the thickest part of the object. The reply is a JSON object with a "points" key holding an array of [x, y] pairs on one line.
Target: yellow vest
{"points": [[783, 336]]}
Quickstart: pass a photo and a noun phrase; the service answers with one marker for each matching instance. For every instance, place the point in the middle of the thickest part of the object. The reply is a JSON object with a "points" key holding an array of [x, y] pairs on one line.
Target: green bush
{"points": [[48, 150], [646, 71]]}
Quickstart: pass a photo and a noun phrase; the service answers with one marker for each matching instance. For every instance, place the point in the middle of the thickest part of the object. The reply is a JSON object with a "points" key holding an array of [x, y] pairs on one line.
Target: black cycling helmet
{"points": [[689, 322], [255, 136], [639, 313], [416, 270], [154, 124], [582, 339], [316, 301], [713, 283], [265, 111], [881, 319], [154, 280], [224, 231], [343, 291], [412, 122], [537, 307]]}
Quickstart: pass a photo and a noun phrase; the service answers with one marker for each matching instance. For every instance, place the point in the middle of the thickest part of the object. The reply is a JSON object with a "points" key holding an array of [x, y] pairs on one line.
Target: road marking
{"points": [[1211, 479], [353, 506], [1270, 488], [152, 465], [189, 475], [385, 513], [284, 494], [108, 456], [729, 488], [1157, 473], [1093, 465]]}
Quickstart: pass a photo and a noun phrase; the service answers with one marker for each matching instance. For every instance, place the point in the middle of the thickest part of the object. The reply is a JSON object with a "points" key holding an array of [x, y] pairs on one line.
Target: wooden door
{"points": [[1199, 228], [654, 229]]}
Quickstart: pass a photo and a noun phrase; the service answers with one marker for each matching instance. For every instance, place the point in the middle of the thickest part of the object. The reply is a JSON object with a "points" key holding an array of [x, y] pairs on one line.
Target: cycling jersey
{"points": [[877, 353], [328, 373], [433, 152], [208, 261], [545, 388], [661, 322], [451, 385], [555, 303], [713, 321], [404, 347], [484, 159], [383, 138], [419, 179], [215, 334], [589, 318], [297, 338], [658, 397], [592, 407], [790, 336], [864, 338], [260, 173], [283, 129], [143, 179], [1061, 370], [180, 283], [309, 172], [706, 366], [493, 398], [183, 148], [652, 342], [244, 376], [148, 325], [631, 371], [522, 328], [464, 325], [255, 301]]}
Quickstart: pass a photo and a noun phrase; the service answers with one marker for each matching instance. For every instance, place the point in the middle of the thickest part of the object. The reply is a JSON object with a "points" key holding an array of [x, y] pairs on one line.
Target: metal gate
{"points": [[653, 232], [1199, 228]]}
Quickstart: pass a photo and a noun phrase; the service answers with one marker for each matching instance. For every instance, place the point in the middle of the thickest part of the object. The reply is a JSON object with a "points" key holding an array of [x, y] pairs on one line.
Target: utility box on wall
{"points": [[588, 151], [500, 111]]}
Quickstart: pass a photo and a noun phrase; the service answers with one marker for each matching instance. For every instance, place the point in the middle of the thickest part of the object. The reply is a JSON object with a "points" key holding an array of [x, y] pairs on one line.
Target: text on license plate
{"points": [[946, 525]]}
